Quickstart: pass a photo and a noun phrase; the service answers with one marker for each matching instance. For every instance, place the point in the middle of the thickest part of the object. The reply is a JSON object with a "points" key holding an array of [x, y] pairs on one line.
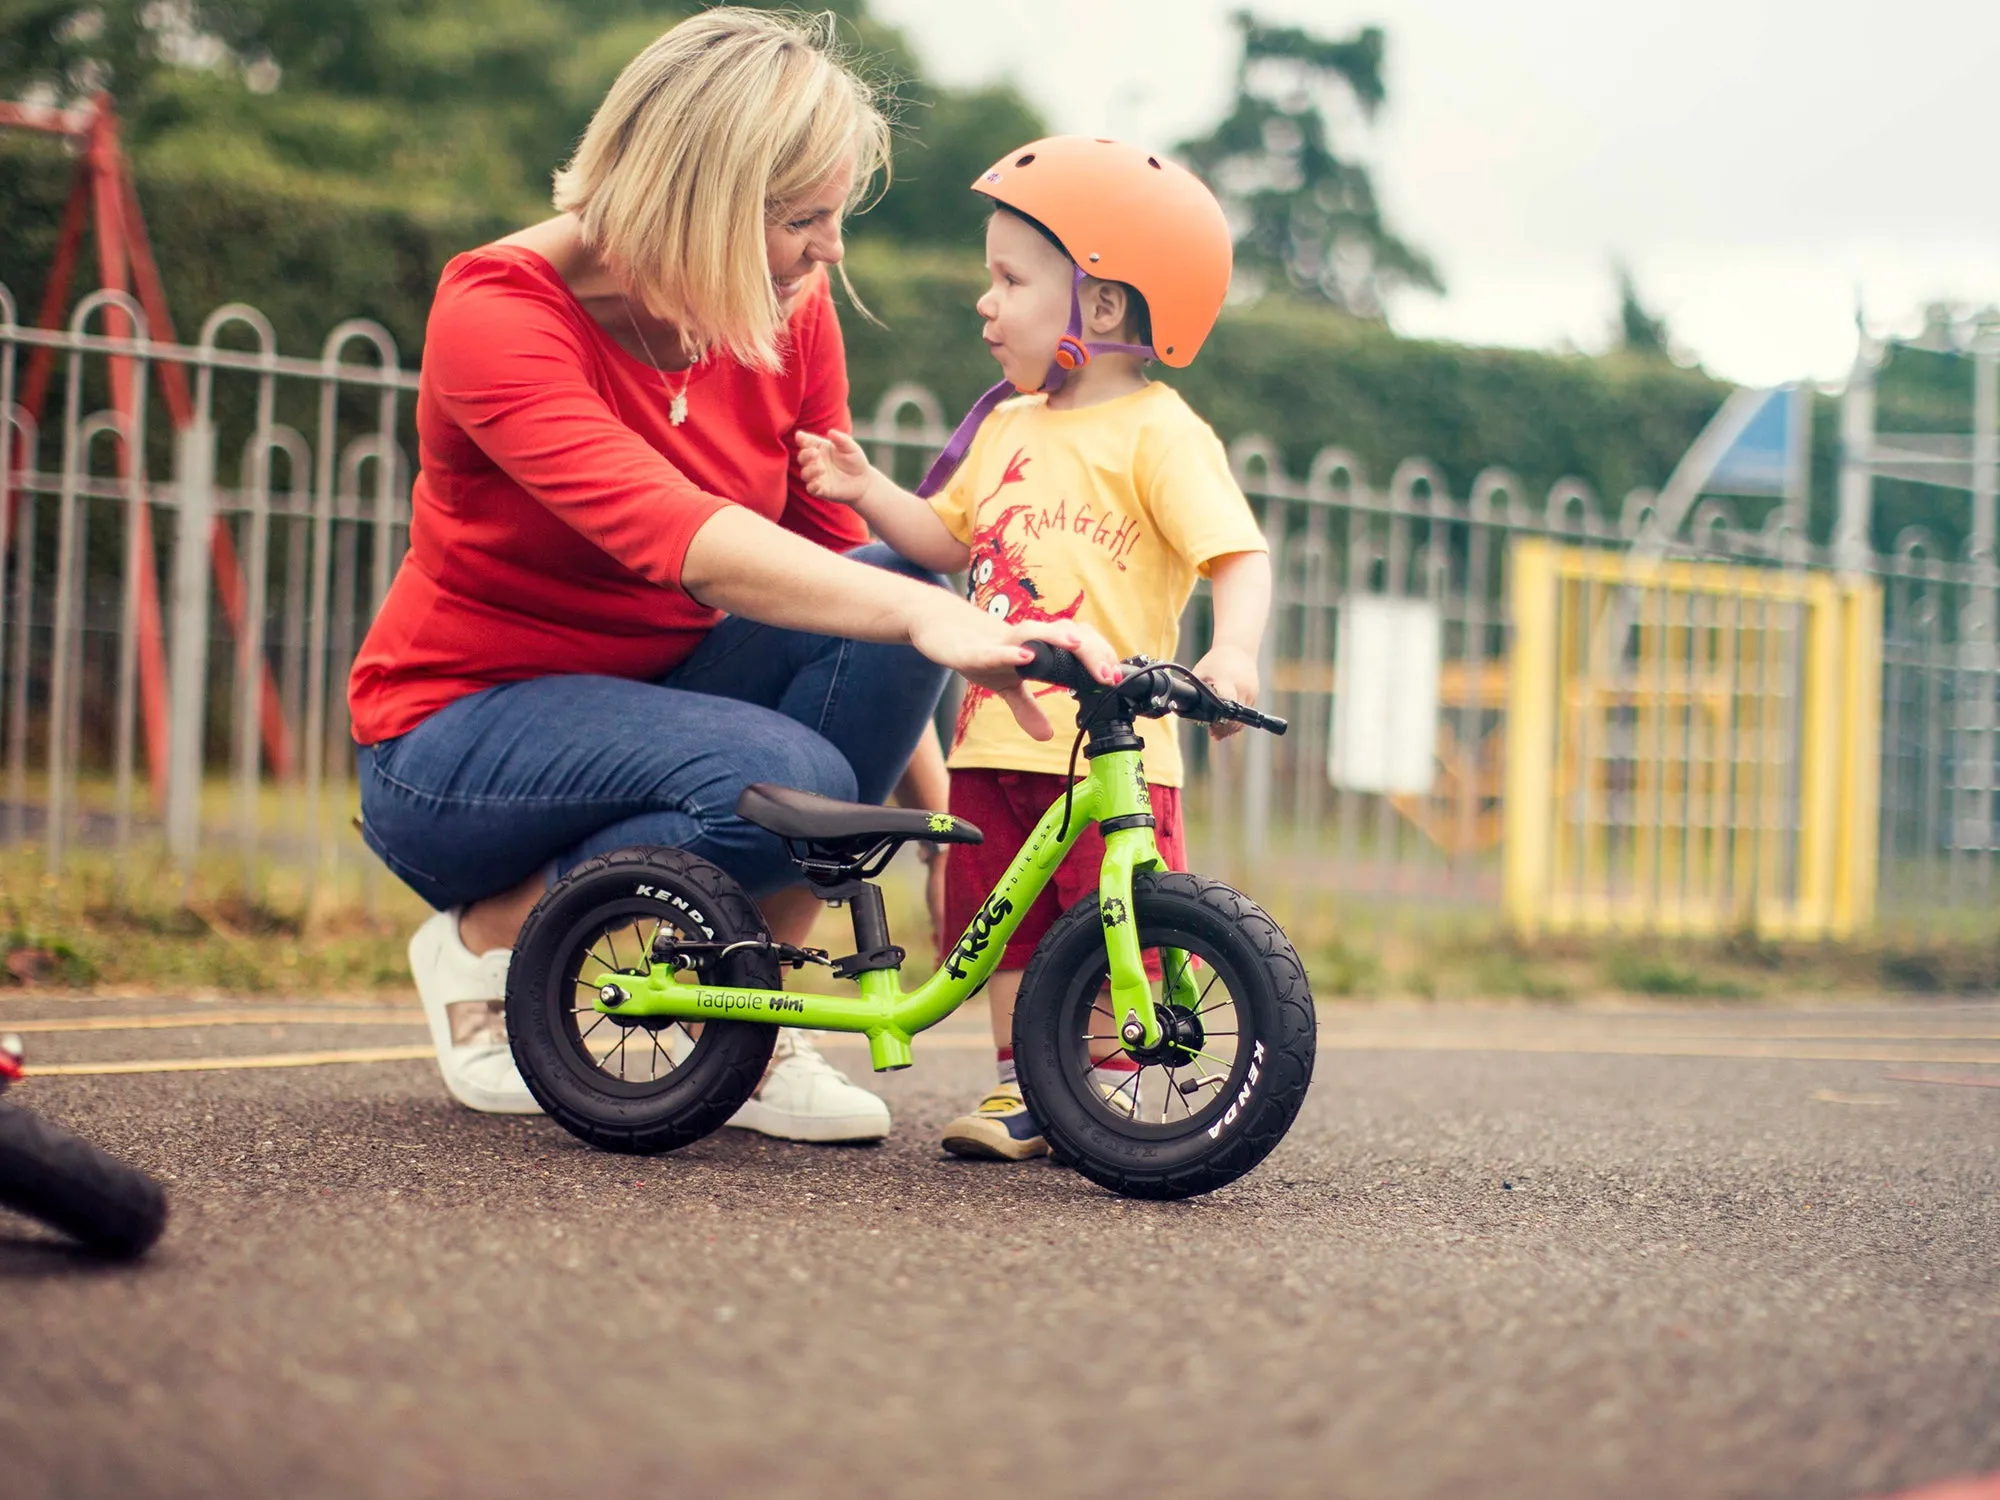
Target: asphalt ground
{"points": [[1504, 1252]]}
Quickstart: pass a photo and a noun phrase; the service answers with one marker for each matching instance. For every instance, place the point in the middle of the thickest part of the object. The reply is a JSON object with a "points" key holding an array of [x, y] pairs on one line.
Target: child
{"points": [[1097, 496]]}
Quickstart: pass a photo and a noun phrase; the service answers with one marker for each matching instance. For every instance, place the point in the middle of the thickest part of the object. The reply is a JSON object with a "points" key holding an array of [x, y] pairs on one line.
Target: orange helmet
{"points": [[1121, 215], [1125, 215]]}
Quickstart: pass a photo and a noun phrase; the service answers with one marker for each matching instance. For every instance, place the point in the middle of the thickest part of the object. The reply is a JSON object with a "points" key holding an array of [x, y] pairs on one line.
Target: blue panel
{"points": [[1756, 462]]}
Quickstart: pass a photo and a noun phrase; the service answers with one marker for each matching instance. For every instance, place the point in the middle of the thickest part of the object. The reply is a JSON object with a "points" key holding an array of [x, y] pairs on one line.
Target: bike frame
{"points": [[885, 1013]]}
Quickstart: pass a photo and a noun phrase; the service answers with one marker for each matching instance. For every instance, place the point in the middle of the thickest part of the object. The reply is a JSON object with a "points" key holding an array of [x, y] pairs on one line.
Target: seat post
{"points": [[871, 920], [872, 948]]}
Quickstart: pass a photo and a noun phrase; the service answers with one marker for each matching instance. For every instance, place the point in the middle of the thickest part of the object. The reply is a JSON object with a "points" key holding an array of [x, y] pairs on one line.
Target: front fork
{"points": [[1126, 851]]}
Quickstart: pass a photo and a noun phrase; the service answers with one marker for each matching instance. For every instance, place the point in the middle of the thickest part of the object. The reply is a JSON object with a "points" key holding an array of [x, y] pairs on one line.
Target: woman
{"points": [[620, 606]]}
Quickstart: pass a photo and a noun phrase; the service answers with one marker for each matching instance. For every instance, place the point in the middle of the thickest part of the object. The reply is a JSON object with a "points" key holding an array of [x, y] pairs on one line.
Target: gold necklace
{"points": [[677, 407]]}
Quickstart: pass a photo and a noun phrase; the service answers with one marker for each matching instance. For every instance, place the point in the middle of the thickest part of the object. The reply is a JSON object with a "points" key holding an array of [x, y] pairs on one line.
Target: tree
{"points": [[1638, 330], [944, 139], [1305, 216], [432, 106]]}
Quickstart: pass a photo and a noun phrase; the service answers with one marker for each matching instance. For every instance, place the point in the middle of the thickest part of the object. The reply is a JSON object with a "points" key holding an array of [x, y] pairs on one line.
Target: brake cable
{"points": [[1087, 720]]}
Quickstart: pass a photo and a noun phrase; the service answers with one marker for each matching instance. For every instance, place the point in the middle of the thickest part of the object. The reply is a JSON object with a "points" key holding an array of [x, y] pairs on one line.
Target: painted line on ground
{"points": [[1848, 1047], [965, 1041], [1782, 1051], [1800, 1034], [47, 997], [382, 1017], [1976, 1488], [227, 1064], [1584, 1046], [1968, 1083]]}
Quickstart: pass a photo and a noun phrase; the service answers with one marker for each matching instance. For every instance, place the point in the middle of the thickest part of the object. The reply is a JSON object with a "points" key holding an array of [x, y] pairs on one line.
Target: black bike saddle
{"points": [[808, 818]]}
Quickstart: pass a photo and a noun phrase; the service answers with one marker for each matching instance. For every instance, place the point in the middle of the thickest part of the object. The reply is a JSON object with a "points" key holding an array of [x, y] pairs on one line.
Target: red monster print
{"points": [[999, 583]]}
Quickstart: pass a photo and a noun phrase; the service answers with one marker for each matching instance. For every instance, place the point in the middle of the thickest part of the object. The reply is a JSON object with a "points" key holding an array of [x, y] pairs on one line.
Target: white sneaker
{"points": [[464, 995], [805, 1098]]}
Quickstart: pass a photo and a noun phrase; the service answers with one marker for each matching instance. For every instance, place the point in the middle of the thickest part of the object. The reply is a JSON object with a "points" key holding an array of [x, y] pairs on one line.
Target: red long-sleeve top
{"points": [[555, 501]]}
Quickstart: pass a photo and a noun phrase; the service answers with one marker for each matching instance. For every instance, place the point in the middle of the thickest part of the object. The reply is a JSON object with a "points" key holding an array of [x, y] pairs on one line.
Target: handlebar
{"points": [[1152, 689], [1063, 668]]}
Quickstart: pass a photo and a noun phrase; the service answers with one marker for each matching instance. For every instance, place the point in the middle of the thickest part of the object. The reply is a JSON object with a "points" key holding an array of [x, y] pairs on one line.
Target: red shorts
{"points": [[1006, 806]]}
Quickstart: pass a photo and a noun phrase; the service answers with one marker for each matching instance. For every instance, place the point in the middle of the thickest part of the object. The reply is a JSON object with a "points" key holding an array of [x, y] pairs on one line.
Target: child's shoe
{"points": [[1001, 1129], [464, 995]]}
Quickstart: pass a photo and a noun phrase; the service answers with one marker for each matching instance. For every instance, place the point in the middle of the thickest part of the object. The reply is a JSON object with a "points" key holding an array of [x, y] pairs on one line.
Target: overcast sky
{"points": [[1758, 162]]}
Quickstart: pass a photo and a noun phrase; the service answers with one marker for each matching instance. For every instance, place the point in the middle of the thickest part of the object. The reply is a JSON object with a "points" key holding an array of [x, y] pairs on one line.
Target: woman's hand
{"points": [[988, 653], [834, 467]]}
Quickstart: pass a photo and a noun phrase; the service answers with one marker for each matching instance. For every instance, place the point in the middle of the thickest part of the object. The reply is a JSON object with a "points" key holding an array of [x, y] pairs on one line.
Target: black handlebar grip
{"points": [[1271, 723], [1063, 668]]}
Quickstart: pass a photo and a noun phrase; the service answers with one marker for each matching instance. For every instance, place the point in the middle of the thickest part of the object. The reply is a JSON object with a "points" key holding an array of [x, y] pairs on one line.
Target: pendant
{"points": [[677, 412]]}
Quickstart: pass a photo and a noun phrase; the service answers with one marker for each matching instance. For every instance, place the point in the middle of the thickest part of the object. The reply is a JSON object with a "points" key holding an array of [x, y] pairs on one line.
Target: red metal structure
{"points": [[103, 194]]}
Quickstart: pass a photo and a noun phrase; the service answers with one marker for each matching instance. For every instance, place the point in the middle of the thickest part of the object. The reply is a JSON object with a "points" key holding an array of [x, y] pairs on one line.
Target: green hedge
{"points": [[306, 262], [1301, 375], [1306, 376]]}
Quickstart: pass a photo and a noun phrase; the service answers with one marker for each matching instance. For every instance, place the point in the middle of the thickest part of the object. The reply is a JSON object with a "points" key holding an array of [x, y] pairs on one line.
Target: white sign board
{"points": [[1385, 696]]}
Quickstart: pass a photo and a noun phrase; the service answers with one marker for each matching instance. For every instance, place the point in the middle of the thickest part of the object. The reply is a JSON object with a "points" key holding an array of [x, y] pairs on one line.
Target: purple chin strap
{"points": [[1071, 353]]}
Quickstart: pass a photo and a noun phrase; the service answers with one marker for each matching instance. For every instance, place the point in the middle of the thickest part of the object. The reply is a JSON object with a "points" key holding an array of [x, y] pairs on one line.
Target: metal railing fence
{"points": [[307, 465]]}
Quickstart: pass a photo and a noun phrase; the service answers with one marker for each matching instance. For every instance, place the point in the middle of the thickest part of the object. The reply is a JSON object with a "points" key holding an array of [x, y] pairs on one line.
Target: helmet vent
{"points": [[1153, 162], [1022, 161], [1170, 348]]}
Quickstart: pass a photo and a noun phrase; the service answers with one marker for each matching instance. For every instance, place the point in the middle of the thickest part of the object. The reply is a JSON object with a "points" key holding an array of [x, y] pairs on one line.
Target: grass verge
{"points": [[140, 927]]}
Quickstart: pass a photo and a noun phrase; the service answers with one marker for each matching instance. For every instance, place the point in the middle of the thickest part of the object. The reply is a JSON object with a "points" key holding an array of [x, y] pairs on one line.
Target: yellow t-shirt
{"points": [[1103, 514]]}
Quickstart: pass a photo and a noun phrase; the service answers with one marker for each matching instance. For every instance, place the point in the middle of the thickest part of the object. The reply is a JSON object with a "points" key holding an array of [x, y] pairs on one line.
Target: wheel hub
{"points": [[1181, 1037]]}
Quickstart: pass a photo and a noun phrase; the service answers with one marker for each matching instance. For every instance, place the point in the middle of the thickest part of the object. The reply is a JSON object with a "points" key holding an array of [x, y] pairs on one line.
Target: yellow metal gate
{"points": [[1691, 747]]}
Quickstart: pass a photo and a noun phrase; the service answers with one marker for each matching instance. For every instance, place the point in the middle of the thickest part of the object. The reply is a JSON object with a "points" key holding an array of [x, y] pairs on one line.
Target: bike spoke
{"points": [[1199, 1008], [603, 961]]}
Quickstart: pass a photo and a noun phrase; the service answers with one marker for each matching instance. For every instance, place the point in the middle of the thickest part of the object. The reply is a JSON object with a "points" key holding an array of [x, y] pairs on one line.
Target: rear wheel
{"points": [[641, 1085], [1225, 1082]]}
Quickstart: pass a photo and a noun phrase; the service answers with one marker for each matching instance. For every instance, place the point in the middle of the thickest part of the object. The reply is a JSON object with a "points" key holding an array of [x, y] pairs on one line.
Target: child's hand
{"points": [[833, 467], [1232, 672]]}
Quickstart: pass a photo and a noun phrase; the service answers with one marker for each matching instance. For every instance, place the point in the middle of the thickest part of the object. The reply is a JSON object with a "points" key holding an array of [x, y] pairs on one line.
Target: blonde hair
{"points": [[712, 133]]}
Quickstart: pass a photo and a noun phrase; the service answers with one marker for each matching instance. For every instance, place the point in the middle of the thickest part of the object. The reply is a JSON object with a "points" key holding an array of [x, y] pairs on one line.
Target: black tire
{"points": [[636, 891], [70, 1185], [1063, 1011]]}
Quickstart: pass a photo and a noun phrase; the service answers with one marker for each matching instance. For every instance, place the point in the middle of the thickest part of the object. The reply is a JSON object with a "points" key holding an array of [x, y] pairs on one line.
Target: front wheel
{"points": [[1229, 1074], [67, 1183]]}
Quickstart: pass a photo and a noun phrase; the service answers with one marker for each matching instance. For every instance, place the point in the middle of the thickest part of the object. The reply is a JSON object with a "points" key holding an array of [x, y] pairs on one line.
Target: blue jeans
{"points": [[495, 786]]}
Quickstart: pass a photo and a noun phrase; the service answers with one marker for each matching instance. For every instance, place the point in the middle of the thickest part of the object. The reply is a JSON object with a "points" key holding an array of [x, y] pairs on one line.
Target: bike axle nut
{"points": [[611, 995]]}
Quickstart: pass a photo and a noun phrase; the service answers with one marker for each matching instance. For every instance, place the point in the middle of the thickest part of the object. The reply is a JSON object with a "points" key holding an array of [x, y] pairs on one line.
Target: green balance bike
{"points": [[1164, 1033]]}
